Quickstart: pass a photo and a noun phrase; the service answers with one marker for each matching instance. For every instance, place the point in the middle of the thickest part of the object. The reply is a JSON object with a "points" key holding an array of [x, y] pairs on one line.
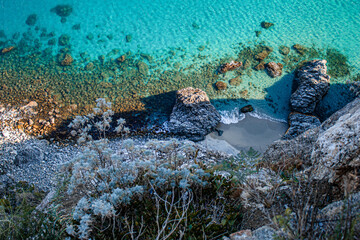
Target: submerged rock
{"points": [[235, 81], [300, 123], [284, 50], [266, 25], [274, 69], [229, 66], [62, 10], [64, 40], [193, 115], [128, 38], [260, 66], [220, 85], [65, 59], [8, 49], [313, 83], [300, 49], [31, 20]]}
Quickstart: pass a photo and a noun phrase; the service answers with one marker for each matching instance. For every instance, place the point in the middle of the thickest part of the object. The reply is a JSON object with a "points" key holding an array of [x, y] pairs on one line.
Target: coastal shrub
{"points": [[158, 190]]}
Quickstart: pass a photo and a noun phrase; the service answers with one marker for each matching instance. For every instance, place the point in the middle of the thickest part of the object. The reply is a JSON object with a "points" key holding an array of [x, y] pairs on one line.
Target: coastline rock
{"points": [[274, 69], [229, 66], [193, 115], [300, 123], [128, 38], [247, 108], [266, 25], [220, 85], [313, 83], [332, 150]]}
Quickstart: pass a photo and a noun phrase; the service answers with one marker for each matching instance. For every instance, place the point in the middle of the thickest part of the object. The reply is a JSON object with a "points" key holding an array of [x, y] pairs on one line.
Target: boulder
{"points": [[193, 115], [300, 123], [274, 69], [62, 10], [247, 108], [65, 59], [313, 83], [266, 25], [229, 66]]}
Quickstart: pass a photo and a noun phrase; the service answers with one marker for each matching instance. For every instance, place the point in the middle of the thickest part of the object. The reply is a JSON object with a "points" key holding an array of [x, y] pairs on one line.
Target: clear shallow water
{"points": [[198, 32]]}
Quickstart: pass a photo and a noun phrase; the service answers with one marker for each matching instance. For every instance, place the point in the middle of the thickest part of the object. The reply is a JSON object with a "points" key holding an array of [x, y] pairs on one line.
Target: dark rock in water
{"points": [[90, 36], [266, 25], [299, 123], [76, 27], [274, 69], [195, 26], [28, 154], [247, 108], [219, 132], [284, 50], [300, 49], [31, 20], [193, 115], [64, 40], [62, 10], [313, 83], [128, 38], [258, 33], [220, 85], [52, 41], [65, 59]]}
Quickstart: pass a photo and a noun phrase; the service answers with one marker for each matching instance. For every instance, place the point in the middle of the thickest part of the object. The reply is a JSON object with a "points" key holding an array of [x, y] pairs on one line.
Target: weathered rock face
{"points": [[313, 84], [193, 115], [300, 123], [332, 150]]}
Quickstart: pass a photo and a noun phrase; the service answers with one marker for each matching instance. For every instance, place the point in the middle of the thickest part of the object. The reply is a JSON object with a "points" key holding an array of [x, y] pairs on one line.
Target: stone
{"points": [[65, 59], [242, 235], [274, 69], [262, 55], [313, 83], [265, 233], [300, 49], [64, 40], [266, 25], [247, 108], [235, 81], [62, 10], [284, 50], [299, 123], [143, 68], [6, 50], [220, 85], [128, 38], [229, 66], [121, 59], [31, 20], [28, 154], [260, 66], [258, 33], [193, 115]]}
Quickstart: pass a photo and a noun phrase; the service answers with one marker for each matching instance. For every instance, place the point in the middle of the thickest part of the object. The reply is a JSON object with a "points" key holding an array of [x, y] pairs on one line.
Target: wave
{"points": [[259, 115], [233, 116]]}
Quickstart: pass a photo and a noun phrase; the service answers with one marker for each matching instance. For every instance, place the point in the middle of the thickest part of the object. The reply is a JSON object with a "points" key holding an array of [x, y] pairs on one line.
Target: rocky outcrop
{"points": [[332, 150], [312, 84], [193, 115], [300, 123], [229, 66]]}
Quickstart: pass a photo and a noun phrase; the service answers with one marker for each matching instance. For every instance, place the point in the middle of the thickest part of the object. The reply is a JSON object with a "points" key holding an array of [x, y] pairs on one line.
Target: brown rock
{"points": [[89, 66], [220, 85], [66, 60], [284, 50], [8, 49], [274, 69], [229, 66], [235, 81], [260, 66], [121, 59], [262, 55], [300, 49], [266, 25]]}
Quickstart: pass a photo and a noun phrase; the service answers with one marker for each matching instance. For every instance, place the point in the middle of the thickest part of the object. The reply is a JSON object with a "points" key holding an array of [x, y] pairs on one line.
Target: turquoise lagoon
{"points": [[189, 34]]}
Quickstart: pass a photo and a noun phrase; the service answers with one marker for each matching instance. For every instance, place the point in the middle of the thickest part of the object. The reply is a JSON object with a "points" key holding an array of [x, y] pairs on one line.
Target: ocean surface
{"points": [[170, 44]]}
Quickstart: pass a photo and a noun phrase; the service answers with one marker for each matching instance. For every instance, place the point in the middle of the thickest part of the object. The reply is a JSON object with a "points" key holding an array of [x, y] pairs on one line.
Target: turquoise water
{"points": [[213, 29]]}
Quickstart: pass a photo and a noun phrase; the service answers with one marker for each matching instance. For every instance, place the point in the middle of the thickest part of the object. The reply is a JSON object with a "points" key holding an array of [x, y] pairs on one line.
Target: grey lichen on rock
{"points": [[193, 115]]}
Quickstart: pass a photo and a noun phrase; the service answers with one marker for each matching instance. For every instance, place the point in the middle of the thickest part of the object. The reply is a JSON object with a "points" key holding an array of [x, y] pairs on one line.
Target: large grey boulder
{"points": [[332, 150], [193, 115], [300, 123], [313, 83]]}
